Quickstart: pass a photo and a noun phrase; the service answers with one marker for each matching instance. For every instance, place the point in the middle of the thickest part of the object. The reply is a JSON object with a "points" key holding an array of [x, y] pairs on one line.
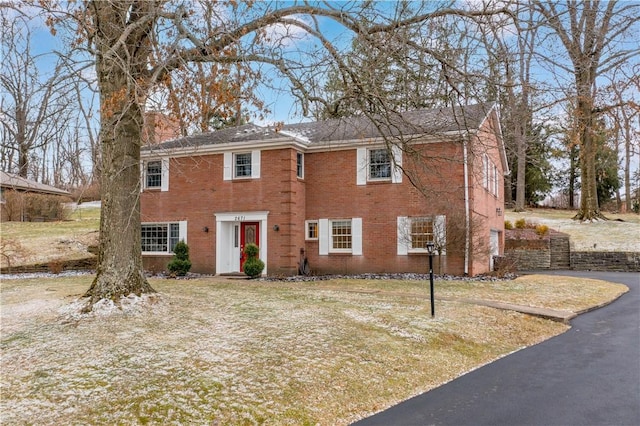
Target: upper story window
{"points": [[490, 179], [155, 174], [485, 171], [162, 237], [379, 164], [242, 165], [300, 165]]}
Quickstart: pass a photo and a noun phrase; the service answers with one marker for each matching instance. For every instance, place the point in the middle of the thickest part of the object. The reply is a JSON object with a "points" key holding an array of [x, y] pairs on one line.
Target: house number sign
{"points": [[240, 218]]}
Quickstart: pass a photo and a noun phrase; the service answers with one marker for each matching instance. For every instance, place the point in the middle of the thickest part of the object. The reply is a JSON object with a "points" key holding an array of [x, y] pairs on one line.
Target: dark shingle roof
{"points": [[425, 121], [12, 181]]}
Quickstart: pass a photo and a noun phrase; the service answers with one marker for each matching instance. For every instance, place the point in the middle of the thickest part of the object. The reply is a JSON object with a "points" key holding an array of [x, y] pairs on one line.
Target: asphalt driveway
{"points": [[589, 375]]}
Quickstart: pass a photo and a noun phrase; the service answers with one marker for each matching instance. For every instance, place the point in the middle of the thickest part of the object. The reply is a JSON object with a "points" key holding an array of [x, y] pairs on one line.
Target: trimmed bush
{"points": [[180, 264], [542, 230], [521, 223], [253, 266], [508, 225]]}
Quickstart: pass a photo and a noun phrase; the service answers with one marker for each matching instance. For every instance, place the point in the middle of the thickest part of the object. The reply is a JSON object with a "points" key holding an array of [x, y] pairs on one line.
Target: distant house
{"points": [[350, 195], [16, 188]]}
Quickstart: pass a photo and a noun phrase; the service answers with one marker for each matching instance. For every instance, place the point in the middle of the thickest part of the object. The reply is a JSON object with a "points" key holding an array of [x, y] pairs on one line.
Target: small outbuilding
{"points": [[17, 199]]}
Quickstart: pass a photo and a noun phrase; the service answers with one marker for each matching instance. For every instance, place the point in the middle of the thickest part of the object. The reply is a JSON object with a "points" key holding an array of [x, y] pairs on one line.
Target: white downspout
{"points": [[467, 224]]}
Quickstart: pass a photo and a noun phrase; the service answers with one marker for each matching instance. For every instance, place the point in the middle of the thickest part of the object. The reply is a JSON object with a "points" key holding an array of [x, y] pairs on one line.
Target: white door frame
{"points": [[227, 255], [494, 246]]}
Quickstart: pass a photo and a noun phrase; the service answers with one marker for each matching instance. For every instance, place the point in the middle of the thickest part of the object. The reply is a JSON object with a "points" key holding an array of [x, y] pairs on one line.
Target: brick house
{"points": [[351, 195]]}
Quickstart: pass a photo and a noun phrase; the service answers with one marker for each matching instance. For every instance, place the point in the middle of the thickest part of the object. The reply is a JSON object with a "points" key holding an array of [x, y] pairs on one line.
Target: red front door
{"points": [[249, 233]]}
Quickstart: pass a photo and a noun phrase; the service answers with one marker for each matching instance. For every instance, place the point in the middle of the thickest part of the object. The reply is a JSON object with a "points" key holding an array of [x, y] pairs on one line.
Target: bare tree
{"points": [[31, 102], [597, 38], [622, 113], [139, 44], [511, 45]]}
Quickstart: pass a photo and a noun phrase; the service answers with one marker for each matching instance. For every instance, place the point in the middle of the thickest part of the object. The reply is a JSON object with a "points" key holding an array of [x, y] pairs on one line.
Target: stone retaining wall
{"points": [[54, 266], [605, 261], [522, 251], [525, 250]]}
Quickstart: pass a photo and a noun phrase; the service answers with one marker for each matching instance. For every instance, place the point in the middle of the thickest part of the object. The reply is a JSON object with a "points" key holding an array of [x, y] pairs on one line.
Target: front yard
{"points": [[210, 351]]}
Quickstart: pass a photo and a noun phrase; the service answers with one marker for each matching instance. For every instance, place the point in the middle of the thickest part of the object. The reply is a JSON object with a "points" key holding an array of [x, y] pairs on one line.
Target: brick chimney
{"points": [[159, 127]]}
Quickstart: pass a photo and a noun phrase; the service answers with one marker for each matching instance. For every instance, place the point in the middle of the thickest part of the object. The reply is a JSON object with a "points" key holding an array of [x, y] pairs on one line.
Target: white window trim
{"points": [[325, 240], [228, 170], [485, 171], [306, 230], [301, 154], [380, 179], [339, 250], [182, 236], [164, 177], [362, 165], [403, 236]]}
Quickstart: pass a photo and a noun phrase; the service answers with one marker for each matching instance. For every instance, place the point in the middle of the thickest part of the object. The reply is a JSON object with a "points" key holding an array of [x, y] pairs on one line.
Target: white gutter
{"points": [[467, 224], [288, 141]]}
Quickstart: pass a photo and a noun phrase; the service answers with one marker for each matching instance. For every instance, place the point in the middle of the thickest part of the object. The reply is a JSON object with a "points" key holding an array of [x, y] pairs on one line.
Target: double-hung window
{"points": [[242, 165], [421, 232], [161, 238], [300, 165], [155, 174], [379, 164], [339, 236], [415, 232]]}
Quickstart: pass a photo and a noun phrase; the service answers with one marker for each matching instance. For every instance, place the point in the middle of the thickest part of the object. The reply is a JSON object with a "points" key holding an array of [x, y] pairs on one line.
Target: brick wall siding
{"points": [[329, 191]]}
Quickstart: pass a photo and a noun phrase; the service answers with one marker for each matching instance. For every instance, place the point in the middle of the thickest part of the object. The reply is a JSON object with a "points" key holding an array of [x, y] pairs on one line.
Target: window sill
{"points": [[156, 253]]}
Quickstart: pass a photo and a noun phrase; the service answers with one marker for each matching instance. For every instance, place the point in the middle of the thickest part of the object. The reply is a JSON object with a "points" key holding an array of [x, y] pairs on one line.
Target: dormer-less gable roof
{"points": [[18, 183], [347, 130]]}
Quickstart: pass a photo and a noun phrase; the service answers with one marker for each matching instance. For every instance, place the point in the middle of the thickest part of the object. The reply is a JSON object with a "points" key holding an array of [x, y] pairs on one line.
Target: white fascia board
{"points": [[299, 144], [342, 145], [219, 148]]}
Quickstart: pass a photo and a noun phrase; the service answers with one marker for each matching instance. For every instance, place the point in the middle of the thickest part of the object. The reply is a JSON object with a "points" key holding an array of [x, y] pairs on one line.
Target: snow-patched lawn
{"points": [[206, 351]]}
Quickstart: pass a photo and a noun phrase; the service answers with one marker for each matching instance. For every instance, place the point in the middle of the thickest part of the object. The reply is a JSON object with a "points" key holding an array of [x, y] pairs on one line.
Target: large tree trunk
{"points": [[121, 83], [120, 270], [589, 207]]}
